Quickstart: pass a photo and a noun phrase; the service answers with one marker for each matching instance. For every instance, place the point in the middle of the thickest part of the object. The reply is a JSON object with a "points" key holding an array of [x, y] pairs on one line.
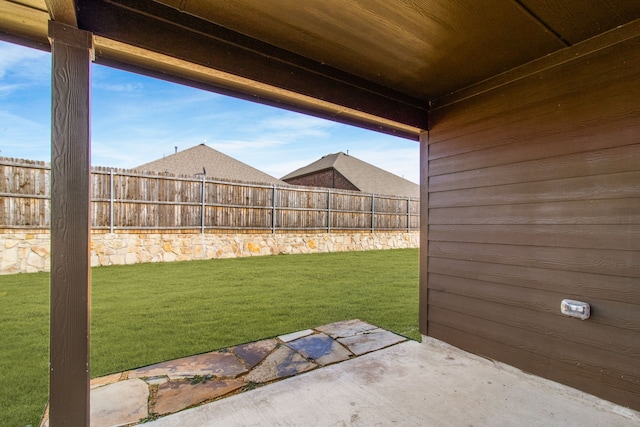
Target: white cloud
{"points": [[23, 138], [232, 146], [126, 87], [401, 158], [293, 121], [6, 89], [28, 64], [111, 156], [137, 152], [294, 127]]}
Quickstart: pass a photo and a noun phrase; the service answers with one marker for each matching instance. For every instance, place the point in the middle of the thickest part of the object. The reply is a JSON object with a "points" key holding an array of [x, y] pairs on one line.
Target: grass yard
{"points": [[147, 313]]}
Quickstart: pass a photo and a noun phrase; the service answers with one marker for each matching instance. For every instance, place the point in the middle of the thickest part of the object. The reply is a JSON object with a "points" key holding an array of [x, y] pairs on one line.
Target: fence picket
{"points": [[134, 200]]}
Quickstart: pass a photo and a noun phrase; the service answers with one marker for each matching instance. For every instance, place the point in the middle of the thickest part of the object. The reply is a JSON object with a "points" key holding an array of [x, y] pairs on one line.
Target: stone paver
{"points": [[282, 363], [295, 335], [371, 340], [346, 328], [215, 363], [177, 395], [253, 353], [119, 403], [156, 380], [169, 387], [320, 348], [109, 379]]}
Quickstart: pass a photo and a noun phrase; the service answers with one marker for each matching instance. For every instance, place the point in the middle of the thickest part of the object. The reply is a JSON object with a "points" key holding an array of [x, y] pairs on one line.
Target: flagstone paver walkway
{"points": [[128, 398]]}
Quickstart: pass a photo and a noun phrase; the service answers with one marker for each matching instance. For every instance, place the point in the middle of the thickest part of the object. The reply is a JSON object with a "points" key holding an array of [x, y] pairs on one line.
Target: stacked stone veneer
{"points": [[29, 252]]}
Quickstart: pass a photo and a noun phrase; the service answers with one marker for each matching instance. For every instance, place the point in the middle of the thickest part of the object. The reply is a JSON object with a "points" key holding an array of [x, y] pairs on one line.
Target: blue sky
{"points": [[136, 119]]}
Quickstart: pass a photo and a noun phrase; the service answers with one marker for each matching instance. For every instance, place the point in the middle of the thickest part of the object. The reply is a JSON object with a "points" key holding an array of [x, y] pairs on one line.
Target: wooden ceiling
{"points": [[374, 63]]}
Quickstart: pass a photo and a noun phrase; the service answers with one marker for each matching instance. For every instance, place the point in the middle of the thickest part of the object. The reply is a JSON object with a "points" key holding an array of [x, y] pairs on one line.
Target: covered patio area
{"points": [[527, 116], [348, 373]]}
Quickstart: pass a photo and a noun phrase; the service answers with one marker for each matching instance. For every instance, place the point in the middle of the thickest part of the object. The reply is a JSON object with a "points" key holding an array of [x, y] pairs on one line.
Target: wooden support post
{"points": [[71, 51], [424, 234]]}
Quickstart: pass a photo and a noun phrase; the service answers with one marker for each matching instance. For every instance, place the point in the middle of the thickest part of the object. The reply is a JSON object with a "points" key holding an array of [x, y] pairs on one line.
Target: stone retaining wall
{"points": [[28, 252]]}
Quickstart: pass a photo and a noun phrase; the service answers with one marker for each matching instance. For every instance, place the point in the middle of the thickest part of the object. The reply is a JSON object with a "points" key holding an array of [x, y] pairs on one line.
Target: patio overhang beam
{"points": [[24, 25], [223, 62], [151, 40], [62, 11], [142, 61]]}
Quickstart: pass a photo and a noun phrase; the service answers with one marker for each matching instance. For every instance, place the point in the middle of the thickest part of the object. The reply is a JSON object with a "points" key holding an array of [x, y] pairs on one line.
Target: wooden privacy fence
{"points": [[132, 200]]}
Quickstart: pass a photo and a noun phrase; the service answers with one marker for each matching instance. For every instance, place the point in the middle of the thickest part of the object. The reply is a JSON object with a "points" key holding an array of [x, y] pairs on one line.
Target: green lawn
{"points": [[147, 313]]}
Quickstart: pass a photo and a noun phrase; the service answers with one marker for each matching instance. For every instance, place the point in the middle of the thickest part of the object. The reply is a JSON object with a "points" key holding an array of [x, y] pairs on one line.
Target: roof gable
{"points": [[367, 177], [215, 164]]}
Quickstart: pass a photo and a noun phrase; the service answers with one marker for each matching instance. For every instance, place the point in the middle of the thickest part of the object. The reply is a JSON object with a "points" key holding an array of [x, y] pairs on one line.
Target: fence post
{"points": [[373, 211], [202, 209], [328, 210], [408, 214], [273, 210], [111, 197]]}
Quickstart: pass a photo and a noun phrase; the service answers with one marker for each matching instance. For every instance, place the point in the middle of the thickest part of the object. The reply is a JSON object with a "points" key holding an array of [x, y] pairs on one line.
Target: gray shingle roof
{"points": [[217, 165], [365, 176]]}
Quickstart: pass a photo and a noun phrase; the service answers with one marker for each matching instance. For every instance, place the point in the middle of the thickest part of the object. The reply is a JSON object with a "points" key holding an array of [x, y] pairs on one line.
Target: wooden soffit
{"points": [[378, 64], [424, 49]]}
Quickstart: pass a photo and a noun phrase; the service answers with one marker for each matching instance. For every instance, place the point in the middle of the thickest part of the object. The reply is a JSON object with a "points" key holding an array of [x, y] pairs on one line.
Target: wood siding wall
{"points": [[534, 196]]}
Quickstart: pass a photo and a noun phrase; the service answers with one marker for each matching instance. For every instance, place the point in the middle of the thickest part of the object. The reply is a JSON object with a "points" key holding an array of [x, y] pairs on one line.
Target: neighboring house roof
{"points": [[216, 164], [366, 177]]}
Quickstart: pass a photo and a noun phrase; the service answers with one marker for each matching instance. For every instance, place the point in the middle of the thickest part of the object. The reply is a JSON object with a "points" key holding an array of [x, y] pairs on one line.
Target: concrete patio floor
{"points": [[347, 373], [410, 384]]}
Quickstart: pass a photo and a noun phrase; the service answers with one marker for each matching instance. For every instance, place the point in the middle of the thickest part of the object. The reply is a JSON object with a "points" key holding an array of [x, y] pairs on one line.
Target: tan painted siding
{"points": [[534, 196]]}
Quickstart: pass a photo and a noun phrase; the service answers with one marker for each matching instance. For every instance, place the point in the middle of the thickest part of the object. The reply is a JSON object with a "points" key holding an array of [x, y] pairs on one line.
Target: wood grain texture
{"points": [[614, 211], [584, 236], [569, 105], [622, 34], [596, 261], [616, 323], [534, 196], [538, 144], [157, 28], [586, 285], [547, 336], [587, 356], [606, 161], [383, 34], [569, 17], [571, 374], [63, 11], [597, 187], [70, 228]]}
